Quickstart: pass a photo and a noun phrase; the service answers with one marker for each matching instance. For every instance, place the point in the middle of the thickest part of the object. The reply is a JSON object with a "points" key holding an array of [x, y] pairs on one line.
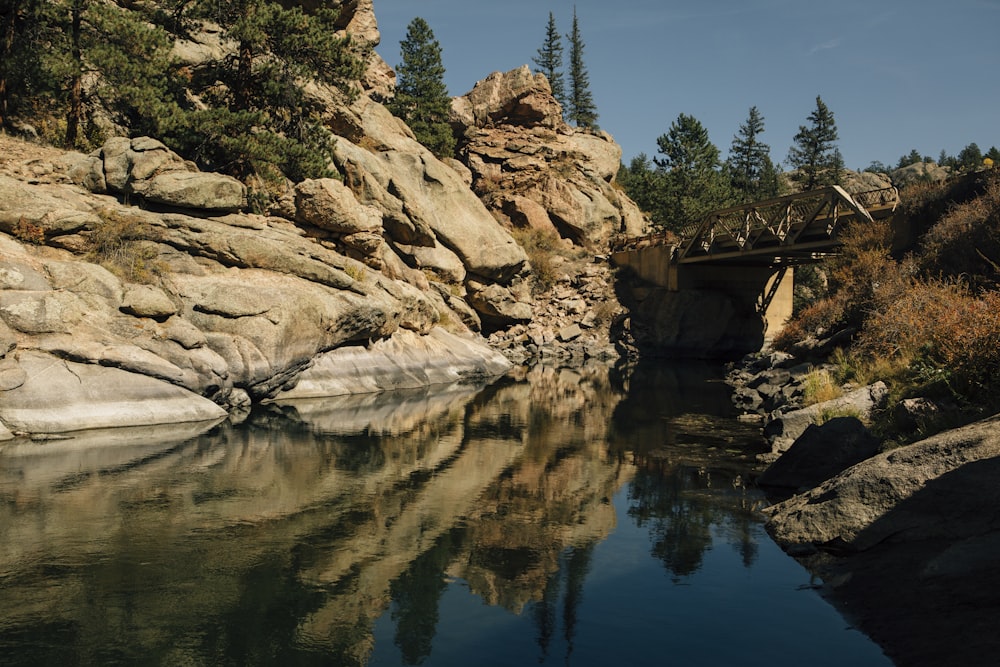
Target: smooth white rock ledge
{"points": [[60, 396], [406, 360]]}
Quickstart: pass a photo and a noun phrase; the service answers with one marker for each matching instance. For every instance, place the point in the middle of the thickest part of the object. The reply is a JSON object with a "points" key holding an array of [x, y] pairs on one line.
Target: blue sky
{"points": [[897, 74]]}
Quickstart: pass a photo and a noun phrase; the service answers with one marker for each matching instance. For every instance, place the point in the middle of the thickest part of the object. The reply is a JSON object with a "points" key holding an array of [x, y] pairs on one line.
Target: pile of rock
{"points": [[772, 388], [572, 321]]}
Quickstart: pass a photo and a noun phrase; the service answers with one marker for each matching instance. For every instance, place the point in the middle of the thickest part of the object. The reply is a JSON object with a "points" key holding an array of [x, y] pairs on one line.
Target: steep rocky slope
{"points": [[136, 289]]}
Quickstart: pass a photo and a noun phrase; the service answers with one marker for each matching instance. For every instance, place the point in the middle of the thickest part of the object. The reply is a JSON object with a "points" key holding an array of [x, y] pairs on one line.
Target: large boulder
{"points": [[422, 199], [920, 172], [517, 97], [908, 543], [60, 395], [195, 190], [518, 148], [785, 427], [147, 168], [328, 204], [403, 361], [820, 453], [941, 487], [691, 324]]}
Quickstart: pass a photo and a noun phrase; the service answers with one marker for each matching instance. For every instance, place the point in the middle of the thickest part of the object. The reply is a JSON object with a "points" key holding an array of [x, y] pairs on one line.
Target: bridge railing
{"points": [[773, 222]]}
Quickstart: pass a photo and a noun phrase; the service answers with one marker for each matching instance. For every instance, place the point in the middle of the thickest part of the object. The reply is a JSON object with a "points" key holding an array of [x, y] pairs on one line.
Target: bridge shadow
{"points": [[691, 323]]}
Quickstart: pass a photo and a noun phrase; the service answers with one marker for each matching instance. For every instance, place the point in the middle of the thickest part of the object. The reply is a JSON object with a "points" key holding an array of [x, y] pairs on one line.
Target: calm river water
{"points": [[571, 517]]}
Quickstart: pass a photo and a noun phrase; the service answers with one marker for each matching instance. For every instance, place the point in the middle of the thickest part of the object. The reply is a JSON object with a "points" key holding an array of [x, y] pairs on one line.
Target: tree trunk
{"points": [[75, 116], [9, 21], [244, 72]]}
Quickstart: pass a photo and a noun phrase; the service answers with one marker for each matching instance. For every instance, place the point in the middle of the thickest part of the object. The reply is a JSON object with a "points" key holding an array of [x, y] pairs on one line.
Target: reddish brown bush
{"points": [[944, 333], [966, 240]]}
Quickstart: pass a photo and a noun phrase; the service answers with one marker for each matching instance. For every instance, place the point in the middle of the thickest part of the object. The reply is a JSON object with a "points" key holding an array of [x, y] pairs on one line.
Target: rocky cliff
{"points": [[135, 288]]}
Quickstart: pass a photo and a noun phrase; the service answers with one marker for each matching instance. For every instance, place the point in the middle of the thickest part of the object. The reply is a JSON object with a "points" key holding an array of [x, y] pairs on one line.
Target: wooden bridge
{"points": [[782, 231]]}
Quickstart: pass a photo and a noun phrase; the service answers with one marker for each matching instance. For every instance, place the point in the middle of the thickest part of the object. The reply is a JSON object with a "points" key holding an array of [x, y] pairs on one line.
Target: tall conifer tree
{"points": [[815, 152], [752, 173], [549, 61], [422, 98], [580, 109], [694, 183]]}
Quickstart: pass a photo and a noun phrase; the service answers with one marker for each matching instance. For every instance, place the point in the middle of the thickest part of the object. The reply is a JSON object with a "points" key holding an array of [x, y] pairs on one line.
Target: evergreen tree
{"points": [[644, 185], [694, 181], [752, 173], [814, 152], [29, 30], [549, 61], [580, 108], [421, 98], [970, 157], [913, 157], [261, 122]]}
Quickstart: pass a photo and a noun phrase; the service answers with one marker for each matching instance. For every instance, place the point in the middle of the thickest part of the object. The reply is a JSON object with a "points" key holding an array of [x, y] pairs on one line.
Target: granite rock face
{"points": [[534, 170], [111, 314]]}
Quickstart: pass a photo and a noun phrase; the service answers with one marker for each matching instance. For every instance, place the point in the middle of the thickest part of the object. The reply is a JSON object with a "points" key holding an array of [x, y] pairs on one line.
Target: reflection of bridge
{"points": [[743, 253]]}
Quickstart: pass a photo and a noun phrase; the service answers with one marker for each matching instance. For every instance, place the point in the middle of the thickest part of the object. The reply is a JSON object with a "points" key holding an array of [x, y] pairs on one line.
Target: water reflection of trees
{"points": [[675, 425], [685, 507], [285, 539]]}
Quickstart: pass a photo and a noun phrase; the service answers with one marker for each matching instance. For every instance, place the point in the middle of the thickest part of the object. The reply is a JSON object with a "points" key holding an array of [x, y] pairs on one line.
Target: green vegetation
{"points": [[421, 98], [81, 69], [121, 245], [687, 181], [818, 387], [814, 153], [580, 109], [752, 174], [549, 61], [928, 323], [695, 183]]}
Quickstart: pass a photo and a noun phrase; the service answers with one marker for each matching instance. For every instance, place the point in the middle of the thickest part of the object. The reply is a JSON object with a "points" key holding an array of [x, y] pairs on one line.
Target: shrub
{"points": [[819, 387], [540, 246], [948, 338], [819, 319], [121, 245], [28, 232], [966, 240]]}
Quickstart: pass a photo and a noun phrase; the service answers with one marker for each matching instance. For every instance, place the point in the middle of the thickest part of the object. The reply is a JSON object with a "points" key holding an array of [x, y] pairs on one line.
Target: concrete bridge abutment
{"points": [[702, 310]]}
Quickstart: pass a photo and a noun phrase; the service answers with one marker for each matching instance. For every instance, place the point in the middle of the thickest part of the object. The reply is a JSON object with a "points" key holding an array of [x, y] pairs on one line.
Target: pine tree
{"points": [[25, 28], [814, 152], [970, 157], [422, 99], [262, 123], [549, 61], [580, 108], [644, 185], [752, 173], [694, 182]]}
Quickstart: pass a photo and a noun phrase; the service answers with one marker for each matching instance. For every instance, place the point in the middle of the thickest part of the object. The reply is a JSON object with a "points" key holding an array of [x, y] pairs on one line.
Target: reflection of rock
{"points": [[381, 413], [406, 361], [556, 497], [519, 467]]}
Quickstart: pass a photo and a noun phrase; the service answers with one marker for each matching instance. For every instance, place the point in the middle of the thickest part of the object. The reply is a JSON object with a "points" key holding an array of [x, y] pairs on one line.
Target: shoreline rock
{"points": [[907, 542]]}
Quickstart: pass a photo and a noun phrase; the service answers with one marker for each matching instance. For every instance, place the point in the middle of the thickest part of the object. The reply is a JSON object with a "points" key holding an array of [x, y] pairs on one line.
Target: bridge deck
{"points": [[784, 230]]}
